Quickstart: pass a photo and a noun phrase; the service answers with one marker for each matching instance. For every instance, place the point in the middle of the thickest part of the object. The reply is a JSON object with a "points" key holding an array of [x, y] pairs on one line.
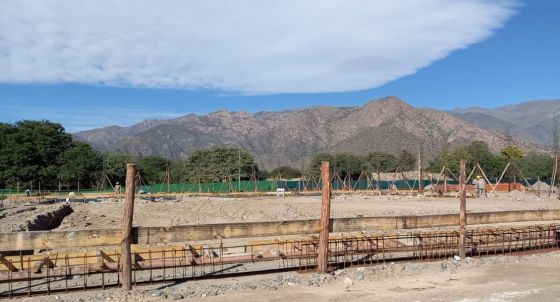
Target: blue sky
{"points": [[487, 55]]}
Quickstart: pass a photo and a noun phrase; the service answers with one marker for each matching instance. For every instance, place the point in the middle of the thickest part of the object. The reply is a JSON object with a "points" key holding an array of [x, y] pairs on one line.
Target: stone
{"points": [[175, 296]]}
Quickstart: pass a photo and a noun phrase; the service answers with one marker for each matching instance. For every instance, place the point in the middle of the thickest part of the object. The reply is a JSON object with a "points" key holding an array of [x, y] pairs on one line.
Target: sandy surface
{"points": [[18, 216], [504, 278], [492, 279], [205, 210]]}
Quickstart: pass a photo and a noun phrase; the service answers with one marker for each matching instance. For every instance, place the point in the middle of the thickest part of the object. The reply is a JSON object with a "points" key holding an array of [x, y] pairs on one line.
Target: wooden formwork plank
{"points": [[43, 240]]}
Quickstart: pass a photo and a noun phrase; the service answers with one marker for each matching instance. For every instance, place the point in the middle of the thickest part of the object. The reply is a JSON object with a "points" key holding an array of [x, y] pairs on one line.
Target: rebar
{"points": [[30, 275]]}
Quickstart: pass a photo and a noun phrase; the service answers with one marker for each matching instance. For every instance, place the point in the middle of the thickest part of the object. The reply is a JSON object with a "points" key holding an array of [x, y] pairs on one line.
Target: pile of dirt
{"points": [[541, 185]]}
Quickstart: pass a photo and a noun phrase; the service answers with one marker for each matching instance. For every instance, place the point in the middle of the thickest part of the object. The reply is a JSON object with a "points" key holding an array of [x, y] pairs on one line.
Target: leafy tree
{"points": [[6, 140], [314, 167], [115, 166], [79, 163], [535, 165], [379, 161], [340, 163], [219, 164], [407, 161], [347, 164], [285, 172], [177, 171], [511, 152], [153, 169], [31, 150]]}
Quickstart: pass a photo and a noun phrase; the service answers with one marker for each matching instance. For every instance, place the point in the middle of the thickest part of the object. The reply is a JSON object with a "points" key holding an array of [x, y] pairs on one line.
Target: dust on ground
{"points": [[495, 278], [207, 210]]}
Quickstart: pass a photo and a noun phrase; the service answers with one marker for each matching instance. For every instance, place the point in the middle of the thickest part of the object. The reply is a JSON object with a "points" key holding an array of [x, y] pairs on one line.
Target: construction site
{"points": [[333, 234]]}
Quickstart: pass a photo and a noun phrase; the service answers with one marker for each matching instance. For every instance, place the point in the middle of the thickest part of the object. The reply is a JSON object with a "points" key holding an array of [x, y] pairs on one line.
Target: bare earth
{"points": [[205, 210], [492, 279], [496, 279]]}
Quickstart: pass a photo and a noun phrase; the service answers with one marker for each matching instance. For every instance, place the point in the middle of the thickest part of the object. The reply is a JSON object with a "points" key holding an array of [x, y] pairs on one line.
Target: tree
{"points": [[153, 169], [6, 140], [285, 172], [407, 161], [380, 162], [511, 152], [219, 164], [314, 167], [343, 164], [347, 164], [115, 166], [31, 150], [79, 163], [535, 165]]}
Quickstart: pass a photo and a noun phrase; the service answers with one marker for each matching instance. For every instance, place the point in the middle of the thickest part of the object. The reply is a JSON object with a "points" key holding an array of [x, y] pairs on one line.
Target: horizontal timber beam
{"points": [[162, 235]]}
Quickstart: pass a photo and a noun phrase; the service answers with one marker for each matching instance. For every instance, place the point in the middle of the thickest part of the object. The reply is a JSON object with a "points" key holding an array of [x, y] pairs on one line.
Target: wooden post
{"points": [[379, 182], [420, 183], [462, 212], [323, 257], [444, 183], [128, 212], [168, 180], [554, 172]]}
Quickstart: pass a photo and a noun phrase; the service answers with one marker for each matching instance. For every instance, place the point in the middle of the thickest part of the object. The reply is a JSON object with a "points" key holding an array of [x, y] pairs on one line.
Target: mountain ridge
{"points": [[530, 120], [286, 137]]}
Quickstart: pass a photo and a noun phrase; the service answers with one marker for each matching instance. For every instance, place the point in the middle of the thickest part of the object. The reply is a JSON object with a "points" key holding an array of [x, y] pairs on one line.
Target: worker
{"points": [[117, 188], [480, 186]]}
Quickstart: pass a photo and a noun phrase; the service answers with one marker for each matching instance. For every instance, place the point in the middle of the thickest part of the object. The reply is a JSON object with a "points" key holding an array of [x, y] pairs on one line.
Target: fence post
{"points": [[462, 212], [323, 257], [128, 213]]}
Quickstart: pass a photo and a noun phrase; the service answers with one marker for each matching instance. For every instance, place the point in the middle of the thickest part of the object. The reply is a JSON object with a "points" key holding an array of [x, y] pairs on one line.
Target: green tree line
{"points": [[531, 164], [345, 164], [33, 152]]}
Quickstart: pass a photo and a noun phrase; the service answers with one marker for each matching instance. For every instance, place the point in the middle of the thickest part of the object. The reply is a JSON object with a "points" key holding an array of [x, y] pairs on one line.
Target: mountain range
{"points": [[531, 121], [292, 137]]}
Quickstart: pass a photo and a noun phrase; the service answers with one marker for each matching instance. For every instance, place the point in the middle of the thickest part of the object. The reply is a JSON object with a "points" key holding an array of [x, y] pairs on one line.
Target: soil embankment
{"points": [[33, 217]]}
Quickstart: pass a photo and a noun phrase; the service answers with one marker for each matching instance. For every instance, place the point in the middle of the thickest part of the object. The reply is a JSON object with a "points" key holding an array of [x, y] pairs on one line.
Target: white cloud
{"points": [[243, 46]]}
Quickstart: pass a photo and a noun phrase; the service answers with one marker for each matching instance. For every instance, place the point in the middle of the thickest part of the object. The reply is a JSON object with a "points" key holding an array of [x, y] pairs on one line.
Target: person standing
{"points": [[480, 186], [117, 188]]}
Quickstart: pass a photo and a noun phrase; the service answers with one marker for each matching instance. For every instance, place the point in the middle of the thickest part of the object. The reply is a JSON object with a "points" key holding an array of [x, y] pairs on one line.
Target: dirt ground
{"points": [[21, 216], [496, 279], [492, 279], [205, 210]]}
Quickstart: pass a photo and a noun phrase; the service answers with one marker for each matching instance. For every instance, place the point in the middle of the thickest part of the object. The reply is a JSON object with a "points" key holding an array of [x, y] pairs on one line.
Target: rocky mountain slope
{"points": [[531, 121], [285, 137]]}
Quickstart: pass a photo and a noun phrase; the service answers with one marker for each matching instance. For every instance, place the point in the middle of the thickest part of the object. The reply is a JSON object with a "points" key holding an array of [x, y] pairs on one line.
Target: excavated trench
{"points": [[49, 220], [32, 218]]}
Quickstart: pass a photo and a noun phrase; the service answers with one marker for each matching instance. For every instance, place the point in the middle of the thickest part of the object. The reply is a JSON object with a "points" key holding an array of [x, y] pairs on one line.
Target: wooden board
{"points": [[165, 235]]}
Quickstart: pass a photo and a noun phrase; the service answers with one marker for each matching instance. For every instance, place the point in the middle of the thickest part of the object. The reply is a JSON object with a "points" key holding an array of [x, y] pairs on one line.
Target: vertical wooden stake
{"points": [[444, 183], [128, 212], [420, 176], [462, 212], [379, 182], [323, 257], [168, 180]]}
